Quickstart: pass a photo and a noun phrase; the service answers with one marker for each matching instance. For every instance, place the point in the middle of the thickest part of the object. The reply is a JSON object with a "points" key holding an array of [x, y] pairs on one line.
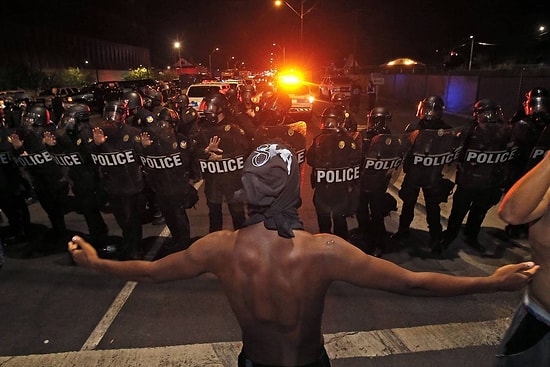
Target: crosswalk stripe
{"points": [[358, 344]]}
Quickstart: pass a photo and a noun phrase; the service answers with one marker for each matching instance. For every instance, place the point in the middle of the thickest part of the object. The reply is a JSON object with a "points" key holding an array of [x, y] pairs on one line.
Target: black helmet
{"points": [[246, 93], [486, 110], [332, 118], [73, 116], [36, 115], [339, 99], [231, 95], [133, 99], [378, 118], [115, 111], [182, 100], [156, 97], [537, 101], [430, 108], [168, 115], [275, 109], [215, 103]]}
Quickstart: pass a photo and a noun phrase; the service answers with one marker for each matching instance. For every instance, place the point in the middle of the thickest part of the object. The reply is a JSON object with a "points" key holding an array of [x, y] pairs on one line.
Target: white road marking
{"points": [[358, 344]]}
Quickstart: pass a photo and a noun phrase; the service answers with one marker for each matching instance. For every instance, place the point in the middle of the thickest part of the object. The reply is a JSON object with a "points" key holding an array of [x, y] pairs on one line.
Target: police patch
{"points": [[174, 145], [346, 115], [341, 144], [353, 146], [125, 138], [440, 132], [137, 138], [257, 109], [78, 141], [149, 119], [227, 127], [388, 141], [290, 132], [183, 144]]}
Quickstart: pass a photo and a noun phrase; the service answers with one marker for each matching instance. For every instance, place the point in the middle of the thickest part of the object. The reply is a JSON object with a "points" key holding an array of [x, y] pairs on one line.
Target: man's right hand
{"points": [[82, 252]]}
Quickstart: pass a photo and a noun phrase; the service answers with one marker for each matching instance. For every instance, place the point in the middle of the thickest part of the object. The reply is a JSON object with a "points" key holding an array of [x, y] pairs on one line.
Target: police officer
{"points": [[247, 111], [13, 192], [167, 160], [340, 100], [222, 148], [115, 150], [335, 159], [48, 179], [423, 167], [276, 125], [373, 200], [526, 133], [70, 146], [189, 117], [481, 172]]}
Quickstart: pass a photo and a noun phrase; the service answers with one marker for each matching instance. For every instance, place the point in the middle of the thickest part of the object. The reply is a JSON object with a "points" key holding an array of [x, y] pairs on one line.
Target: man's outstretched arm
{"points": [[194, 261], [527, 200]]}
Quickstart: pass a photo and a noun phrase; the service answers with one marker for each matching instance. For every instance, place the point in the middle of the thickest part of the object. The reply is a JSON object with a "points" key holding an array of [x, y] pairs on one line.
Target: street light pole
{"points": [[301, 14], [471, 53], [284, 52], [177, 45], [210, 59]]}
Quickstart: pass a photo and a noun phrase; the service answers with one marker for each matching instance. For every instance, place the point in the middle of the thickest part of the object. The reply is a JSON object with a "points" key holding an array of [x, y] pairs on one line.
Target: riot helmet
{"points": [[133, 99], [246, 93], [275, 109], [36, 115], [487, 111], [167, 117], [215, 104], [430, 108], [537, 102], [182, 100], [73, 116], [332, 118], [115, 111], [378, 118], [339, 99], [156, 96], [231, 95]]}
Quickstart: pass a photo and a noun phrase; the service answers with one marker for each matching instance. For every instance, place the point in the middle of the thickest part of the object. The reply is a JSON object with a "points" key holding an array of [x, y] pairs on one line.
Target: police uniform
{"points": [[293, 135], [47, 178], [434, 146], [335, 158], [167, 163], [122, 180], [12, 192], [480, 178], [72, 152], [222, 178]]}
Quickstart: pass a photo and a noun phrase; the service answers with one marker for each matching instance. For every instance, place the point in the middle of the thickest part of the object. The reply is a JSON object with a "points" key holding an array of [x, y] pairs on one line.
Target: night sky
{"points": [[375, 31]]}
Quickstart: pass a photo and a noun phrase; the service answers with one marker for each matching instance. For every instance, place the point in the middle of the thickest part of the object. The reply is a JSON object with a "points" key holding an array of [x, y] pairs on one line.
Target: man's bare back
{"points": [[276, 276]]}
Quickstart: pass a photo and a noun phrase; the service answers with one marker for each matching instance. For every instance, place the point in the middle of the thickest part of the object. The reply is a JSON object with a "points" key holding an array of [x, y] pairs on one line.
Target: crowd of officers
{"points": [[151, 150]]}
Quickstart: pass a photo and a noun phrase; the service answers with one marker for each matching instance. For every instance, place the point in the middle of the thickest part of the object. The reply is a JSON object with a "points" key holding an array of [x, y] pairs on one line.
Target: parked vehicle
{"points": [[330, 85]]}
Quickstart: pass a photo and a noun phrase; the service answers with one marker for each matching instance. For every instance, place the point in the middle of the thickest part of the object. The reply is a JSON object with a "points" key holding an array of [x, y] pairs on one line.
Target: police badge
{"points": [[341, 144], [227, 127], [183, 144], [125, 138]]}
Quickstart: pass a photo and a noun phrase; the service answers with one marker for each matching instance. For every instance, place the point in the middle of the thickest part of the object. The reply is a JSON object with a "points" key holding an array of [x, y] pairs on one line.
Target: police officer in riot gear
{"points": [[335, 159], [247, 111], [481, 172], [13, 192], [115, 150], [423, 169], [138, 115], [527, 133], [222, 148], [373, 200], [167, 160], [340, 100], [276, 125], [189, 117], [70, 146], [48, 179]]}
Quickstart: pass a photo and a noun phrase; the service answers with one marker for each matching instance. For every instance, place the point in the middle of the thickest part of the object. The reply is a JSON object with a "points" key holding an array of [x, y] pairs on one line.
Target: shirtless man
{"points": [[276, 275], [527, 340]]}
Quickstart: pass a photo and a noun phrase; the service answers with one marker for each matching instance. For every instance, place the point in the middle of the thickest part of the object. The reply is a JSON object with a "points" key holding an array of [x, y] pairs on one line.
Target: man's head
{"points": [[430, 108]]}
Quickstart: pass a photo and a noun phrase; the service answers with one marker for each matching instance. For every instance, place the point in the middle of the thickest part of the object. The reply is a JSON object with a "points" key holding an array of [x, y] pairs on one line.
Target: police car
{"points": [[299, 92], [197, 92]]}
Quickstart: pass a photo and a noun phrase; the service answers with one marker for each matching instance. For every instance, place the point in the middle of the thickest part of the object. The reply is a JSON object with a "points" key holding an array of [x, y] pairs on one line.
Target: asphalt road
{"points": [[57, 314]]}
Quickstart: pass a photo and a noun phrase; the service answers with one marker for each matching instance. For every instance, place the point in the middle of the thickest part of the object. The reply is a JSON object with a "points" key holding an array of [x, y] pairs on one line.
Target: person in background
{"points": [[355, 99], [276, 275], [371, 95], [527, 340]]}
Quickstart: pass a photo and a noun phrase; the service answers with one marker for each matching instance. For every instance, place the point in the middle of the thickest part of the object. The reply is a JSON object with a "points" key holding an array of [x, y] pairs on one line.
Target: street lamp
{"points": [[471, 52], [177, 45], [210, 58], [300, 14], [284, 52], [231, 58]]}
